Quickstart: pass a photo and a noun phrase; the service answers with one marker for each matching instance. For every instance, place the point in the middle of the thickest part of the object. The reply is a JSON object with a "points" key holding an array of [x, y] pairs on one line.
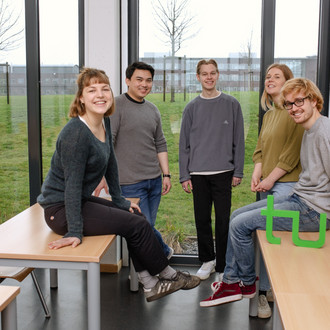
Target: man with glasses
{"points": [[310, 196]]}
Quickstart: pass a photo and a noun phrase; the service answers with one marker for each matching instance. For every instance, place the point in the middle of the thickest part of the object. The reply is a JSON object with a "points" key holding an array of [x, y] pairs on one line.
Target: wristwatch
{"points": [[167, 176]]}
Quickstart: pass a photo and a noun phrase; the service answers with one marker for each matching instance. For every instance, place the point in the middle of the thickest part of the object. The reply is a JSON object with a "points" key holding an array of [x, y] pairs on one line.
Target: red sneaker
{"points": [[249, 291], [224, 293]]}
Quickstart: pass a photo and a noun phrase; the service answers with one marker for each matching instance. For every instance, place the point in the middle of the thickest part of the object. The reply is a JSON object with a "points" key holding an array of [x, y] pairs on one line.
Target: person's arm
{"points": [[238, 144], [163, 162], [256, 176], [184, 146], [101, 185], [112, 176]]}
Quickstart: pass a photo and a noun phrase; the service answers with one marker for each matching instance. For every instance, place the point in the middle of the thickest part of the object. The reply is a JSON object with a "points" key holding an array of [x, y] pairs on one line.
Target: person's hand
{"points": [[102, 185], [134, 206], [73, 241], [256, 176], [236, 181], [265, 185], [187, 186], [166, 185]]}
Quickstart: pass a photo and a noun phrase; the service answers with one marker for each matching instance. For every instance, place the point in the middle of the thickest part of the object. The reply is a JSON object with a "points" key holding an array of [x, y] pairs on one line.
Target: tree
{"points": [[247, 53], [174, 22], [10, 32]]}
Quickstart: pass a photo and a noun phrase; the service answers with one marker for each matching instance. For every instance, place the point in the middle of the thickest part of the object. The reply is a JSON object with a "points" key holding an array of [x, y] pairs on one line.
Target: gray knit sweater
{"points": [[212, 136], [138, 137], [77, 166], [314, 180]]}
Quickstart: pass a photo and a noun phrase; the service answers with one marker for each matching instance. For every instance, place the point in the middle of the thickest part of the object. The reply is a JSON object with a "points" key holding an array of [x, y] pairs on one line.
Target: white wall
{"points": [[102, 38]]}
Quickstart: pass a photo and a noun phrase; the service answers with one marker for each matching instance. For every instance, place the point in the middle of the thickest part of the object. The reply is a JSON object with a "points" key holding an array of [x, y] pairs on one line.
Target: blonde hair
{"points": [[87, 77], [202, 62], [304, 86], [266, 99]]}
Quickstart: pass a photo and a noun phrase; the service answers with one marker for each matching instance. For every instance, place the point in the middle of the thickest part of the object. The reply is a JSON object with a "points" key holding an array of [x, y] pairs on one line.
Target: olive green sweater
{"points": [[279, 145]]}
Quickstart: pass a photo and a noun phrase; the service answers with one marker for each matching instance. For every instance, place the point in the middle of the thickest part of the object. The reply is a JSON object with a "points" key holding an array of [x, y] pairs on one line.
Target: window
{"points": [[236, 49]]}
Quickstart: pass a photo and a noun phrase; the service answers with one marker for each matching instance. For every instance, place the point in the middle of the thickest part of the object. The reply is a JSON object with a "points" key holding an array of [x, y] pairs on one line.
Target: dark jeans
{"points": [[149, 192], [101, 217], [207, 190]]}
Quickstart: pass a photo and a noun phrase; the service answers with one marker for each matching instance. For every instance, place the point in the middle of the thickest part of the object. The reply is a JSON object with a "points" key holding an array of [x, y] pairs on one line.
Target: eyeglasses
{"points": [[298, 103]]}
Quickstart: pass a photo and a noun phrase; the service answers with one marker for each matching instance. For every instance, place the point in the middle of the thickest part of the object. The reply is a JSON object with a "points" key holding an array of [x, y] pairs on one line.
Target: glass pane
{"points": [[59, 68], [235, 45], [298, 50], [14, 175]]}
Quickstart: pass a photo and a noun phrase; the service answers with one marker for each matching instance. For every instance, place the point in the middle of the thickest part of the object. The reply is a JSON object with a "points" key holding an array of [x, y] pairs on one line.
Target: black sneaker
{"points": [[163, 288]]}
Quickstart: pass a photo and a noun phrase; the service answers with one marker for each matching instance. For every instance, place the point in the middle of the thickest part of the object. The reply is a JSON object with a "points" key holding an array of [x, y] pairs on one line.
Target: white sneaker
{"points": [[170, 254], [269, 296], [264, 310], [206, 269]]}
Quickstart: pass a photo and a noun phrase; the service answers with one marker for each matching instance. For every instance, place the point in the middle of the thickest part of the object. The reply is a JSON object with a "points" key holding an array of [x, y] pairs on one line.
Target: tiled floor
{"points": [[122, 309]]}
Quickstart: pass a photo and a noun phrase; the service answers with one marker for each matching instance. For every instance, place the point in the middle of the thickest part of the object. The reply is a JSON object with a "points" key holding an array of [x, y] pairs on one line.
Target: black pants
{"points": [[209, 189], [101, 217]]}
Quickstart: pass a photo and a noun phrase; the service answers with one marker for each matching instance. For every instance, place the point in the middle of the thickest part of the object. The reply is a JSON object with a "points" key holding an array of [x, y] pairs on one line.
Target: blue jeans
{"points": [[279, 189], [244, 221], [149, 192]]}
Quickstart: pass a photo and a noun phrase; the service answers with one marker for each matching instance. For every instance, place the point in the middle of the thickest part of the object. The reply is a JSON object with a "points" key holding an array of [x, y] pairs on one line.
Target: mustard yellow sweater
{"points": [[279, 145]]}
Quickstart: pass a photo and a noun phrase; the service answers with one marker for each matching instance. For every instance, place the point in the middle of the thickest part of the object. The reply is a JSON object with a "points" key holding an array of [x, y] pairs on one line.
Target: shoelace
{"points": [[216, 288]]}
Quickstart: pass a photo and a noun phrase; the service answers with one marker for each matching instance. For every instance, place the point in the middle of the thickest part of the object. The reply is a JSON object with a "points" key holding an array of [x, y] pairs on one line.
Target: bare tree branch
{"points": [[10, 33], [173, 22]]}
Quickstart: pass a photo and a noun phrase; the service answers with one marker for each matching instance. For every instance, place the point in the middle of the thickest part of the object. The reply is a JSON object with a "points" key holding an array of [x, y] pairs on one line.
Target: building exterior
{"points": [[237, 73]]}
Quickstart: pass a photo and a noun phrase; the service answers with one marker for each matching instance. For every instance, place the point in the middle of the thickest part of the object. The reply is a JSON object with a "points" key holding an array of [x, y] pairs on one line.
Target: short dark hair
{"points": [[140, 66]]}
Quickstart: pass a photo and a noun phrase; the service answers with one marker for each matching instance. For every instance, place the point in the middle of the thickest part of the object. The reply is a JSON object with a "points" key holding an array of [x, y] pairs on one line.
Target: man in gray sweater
{"points": [[211, 159], [140, 145], [310, 196]]}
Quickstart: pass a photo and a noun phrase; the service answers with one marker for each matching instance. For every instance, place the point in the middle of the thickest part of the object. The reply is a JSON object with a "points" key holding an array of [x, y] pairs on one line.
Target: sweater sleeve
{"points": [[238, 142], [112, 176], [257, 154], [73, 149], [289, 156], [160, 141], [184, 145]]}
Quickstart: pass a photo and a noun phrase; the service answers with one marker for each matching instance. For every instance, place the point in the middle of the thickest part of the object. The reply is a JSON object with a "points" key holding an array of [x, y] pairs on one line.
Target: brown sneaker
{"points": [[191, 281], [163, 288]]}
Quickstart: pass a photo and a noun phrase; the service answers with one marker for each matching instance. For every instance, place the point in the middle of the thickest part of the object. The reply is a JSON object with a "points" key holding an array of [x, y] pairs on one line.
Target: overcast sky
{"points": [[224, 27]]}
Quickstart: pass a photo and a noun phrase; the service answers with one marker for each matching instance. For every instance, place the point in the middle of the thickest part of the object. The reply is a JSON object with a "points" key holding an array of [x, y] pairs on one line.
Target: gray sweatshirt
{"points": [[212, 136], [138, 138], [314, 180]]}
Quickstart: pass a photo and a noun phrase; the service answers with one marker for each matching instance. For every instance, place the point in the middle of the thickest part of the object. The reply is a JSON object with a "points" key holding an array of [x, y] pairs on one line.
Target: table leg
{"points": [[134, 283], [9, 317], [253, 308], [94, 296], [277, 323], [53, 278]]}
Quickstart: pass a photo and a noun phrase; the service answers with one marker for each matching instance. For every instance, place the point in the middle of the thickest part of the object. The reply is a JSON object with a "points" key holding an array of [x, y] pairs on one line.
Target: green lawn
{"points": [[175, 216]]}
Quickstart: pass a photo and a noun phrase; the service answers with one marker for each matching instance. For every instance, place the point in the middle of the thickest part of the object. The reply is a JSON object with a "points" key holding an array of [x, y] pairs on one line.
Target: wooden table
{"points": [[8, 307], [299, 278], [24, 242]]}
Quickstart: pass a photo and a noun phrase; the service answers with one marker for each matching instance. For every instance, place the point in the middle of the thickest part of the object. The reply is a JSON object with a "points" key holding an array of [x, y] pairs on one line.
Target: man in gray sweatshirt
{"points": [[211, 160], [140, 145]]}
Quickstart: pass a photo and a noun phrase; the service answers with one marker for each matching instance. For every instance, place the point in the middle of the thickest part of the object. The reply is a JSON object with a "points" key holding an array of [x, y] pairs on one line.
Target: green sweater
{"points": [[279, 145], [77, 166]]}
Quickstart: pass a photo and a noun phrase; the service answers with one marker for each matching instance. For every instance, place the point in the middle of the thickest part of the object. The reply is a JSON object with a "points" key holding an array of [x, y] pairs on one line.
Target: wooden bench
{"points": [[24, 243], [8, 307], [299, 278]]}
